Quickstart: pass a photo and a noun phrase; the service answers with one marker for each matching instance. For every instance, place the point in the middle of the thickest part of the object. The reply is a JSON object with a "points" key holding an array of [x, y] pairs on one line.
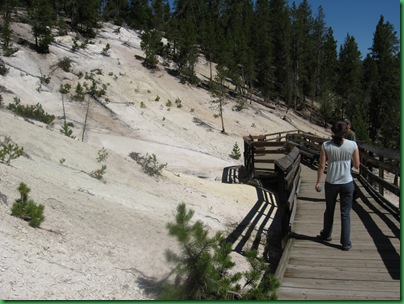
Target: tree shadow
{"points": [[151, 286]]}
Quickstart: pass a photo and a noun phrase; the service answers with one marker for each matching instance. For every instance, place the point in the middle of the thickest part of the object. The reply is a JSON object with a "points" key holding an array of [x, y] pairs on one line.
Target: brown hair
{"points": [[339, 128]]}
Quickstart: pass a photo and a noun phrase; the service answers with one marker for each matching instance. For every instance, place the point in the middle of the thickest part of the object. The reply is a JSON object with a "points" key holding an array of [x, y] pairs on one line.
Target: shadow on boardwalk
{"points": [[384, 246]]}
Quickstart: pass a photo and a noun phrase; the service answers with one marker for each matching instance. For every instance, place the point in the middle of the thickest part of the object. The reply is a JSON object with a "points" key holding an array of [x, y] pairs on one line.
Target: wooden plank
{"points": [[349, 263], [288, 293], [271, 144], [334, 284], [338, 273]]}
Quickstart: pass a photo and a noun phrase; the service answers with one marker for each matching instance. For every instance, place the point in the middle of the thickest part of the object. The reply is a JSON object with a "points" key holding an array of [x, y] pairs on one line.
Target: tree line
{"points": [[262, 48]]}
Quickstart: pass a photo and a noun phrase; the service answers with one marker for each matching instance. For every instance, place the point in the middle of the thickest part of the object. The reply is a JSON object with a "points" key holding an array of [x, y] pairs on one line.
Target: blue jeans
{"points": [[345, 192]]}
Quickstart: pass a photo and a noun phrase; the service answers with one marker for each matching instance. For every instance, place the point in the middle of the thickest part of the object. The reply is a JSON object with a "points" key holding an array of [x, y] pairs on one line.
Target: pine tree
{"points": [[301, 51], [203, 266], [160, 14], [116, 11], [139, 14], [26, 208], [328, 77], [218, 92], [84, 16], [263, 45], [385, 98], [349, 78], [239, 58], [152, 46], [369, 83], [183, 34], [329, 63], [319, 36], [210, 33], [6, 8], [280, 33], [42, 18]]}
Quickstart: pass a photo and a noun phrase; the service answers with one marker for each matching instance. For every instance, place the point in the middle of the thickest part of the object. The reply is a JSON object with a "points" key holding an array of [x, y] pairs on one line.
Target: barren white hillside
{"points": [[106, 239]]}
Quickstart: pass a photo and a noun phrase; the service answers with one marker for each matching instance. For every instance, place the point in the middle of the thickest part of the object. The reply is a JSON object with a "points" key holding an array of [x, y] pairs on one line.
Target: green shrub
{"points": [[202, 268], [34, 112], [149, 163], [65, 130], [79, 93], [45, 79], [102, 155], [26, 208], [3, 69], [9, 151], [235, 153], [98, 174], [65, 64], [178, 103], [76, 46], [105, 50]]}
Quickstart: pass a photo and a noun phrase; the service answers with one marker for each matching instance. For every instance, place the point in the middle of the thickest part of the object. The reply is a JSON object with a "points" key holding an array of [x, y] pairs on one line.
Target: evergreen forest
{"points": [[262, 49]]}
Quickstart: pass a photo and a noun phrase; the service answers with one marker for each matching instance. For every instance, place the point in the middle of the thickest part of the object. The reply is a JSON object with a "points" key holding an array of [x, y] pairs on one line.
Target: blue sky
{"points": [[359, 18]]}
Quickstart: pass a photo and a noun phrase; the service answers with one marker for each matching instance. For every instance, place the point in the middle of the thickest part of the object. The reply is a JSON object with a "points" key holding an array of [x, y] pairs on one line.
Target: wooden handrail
{"points": [[288, 170]]}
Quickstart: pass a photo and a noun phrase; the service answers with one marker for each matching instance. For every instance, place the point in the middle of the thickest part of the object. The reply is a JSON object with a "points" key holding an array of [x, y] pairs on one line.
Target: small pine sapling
{"points": [[26, 209], [204, 270], [9, 151], [98, 174], [178, 103], [235, 153], [102, 155], [149, 163], [65, 130], [105, 50]]}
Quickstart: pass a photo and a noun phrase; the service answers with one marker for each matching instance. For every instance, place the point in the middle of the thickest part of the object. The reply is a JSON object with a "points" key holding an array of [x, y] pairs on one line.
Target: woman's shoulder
{"points": [[351, 143]]}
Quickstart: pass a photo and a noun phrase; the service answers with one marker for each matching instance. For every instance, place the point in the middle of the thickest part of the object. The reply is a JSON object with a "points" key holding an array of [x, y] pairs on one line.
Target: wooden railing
{"points": [[261, 151], [380, 171], [288, 171], [308, 144]]}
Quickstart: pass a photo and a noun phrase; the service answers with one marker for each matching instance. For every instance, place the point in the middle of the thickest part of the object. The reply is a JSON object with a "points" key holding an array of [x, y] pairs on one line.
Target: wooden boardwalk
{"points": [[314, 270]]}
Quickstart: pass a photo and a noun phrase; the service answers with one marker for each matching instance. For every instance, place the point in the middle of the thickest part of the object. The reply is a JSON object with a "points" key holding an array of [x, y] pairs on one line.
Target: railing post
{"points": [[381, 175]]}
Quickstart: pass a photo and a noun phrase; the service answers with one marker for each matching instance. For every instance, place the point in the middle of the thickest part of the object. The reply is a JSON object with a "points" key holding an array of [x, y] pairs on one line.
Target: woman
{"points": [[338, 152]]}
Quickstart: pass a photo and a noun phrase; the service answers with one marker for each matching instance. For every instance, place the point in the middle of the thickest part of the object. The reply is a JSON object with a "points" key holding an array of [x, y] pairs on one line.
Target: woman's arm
{"points": [[321, 168], [356, 159]]}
